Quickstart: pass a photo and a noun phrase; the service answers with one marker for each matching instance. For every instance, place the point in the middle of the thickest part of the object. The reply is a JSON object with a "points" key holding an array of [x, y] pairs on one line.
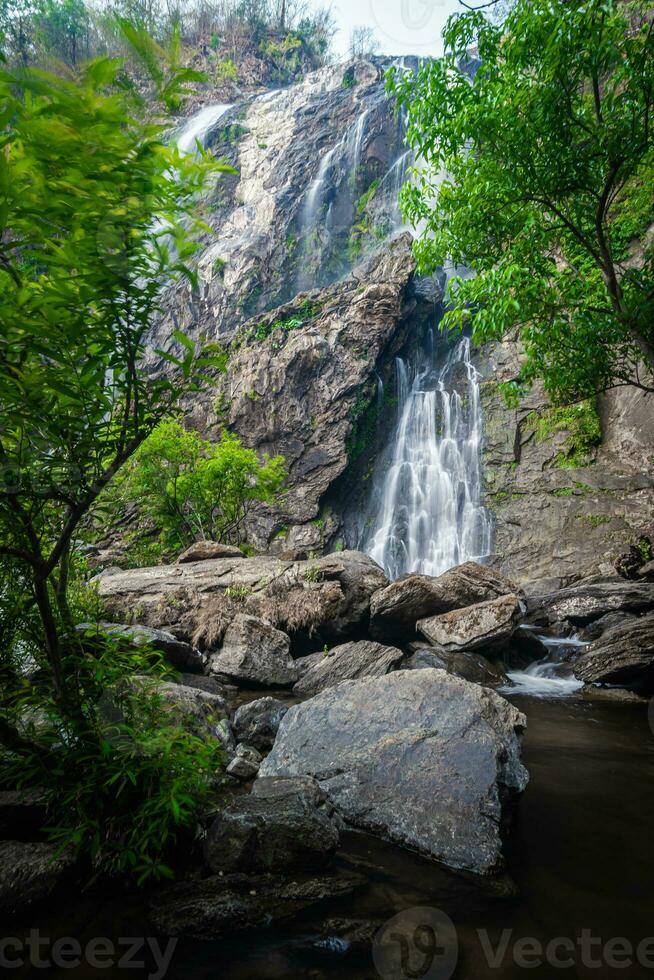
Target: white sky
{"points": [[401, 26]]}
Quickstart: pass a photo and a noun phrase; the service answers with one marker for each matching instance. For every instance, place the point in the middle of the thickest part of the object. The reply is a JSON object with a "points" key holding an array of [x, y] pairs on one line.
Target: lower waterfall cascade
{"points": [[429, 515]]}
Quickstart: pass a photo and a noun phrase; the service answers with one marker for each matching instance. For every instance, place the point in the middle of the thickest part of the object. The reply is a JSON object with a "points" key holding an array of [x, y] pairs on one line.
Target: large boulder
{"points": [[471, 666], [581, 604], [198, 710], [254, 653], [329, 596], [287, 831], [180, 655], [395, 610], [421, 757], [360, 577], [208, 551], [348, 662], [258, 721], [488, 626], [623, 655], [30, 873]]}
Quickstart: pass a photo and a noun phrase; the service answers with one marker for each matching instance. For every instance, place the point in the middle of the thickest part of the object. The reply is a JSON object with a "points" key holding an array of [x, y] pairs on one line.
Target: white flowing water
{"points": [[430, 515], [346, 151], [197, 126], [550, 678]]}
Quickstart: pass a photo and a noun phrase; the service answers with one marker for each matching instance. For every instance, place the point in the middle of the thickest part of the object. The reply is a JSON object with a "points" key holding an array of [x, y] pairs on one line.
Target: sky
{"points": [[401, 26]]}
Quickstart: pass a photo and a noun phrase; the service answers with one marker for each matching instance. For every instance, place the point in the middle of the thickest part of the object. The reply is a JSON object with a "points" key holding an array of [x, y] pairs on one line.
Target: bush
{"points": [[122, 781], [197, 490], [226, 71]]}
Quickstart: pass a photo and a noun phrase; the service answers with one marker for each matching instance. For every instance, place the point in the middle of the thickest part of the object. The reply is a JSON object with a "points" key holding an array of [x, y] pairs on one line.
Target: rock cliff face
{"points": [[309, 281], [569, 490]]}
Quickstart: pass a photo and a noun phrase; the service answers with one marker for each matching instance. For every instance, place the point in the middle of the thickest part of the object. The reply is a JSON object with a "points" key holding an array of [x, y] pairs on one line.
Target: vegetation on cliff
{"points": [[549, 154]]}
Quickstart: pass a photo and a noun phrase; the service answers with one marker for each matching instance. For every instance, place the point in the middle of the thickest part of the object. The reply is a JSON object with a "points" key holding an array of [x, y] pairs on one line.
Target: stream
{"points": [[579, 857]]}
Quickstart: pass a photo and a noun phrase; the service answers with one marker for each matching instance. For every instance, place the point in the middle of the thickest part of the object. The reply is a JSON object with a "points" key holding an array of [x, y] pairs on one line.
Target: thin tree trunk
{"points": [[52, 644]]}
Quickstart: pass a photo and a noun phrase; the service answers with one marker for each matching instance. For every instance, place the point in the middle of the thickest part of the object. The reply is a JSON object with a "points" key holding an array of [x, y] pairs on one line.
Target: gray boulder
{"points": [[623, 655], [283, 832], [304, 664], [488, 626], [203, 683], [395, 610], [471, 666], [222, 905], [257, 723], [208, 551], [254, 653], [197, 709], [605, 623], [246, 762], [180, 655], [348, 662], [359, 577], [330, 595], [420, 757], [30, 872], [583, 603]]}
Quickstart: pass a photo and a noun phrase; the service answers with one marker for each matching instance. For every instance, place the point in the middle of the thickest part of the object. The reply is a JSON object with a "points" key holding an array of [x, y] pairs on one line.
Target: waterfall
{"points": [[314, 218], [430, 515], [552, 677], [197, 126]]}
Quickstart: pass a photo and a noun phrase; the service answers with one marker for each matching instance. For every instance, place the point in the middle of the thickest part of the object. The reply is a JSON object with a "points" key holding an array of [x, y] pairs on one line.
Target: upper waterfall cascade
{"points": [[318, 172], [429, 515]]}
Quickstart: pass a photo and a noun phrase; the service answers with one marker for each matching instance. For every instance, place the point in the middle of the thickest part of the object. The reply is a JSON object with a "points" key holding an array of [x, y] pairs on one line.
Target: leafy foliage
{"points": [[95, 214], [194, 489], [122, 780], [582, 425], [548, 153]]}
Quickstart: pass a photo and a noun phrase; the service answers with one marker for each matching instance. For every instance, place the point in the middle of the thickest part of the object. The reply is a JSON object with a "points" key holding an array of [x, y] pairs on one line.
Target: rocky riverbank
{"points": [[342, 701]]}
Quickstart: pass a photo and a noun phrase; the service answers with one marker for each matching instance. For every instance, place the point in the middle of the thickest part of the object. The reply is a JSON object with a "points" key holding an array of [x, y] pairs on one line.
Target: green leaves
{"points": [[194, 489], [548, 197]]}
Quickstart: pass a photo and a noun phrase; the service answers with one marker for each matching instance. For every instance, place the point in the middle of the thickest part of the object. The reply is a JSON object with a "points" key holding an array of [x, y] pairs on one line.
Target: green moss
{"points": [[367, 196], [231, 133], [306, 312], [582, 424], [595, 520], [563, 492], [365, 415]]}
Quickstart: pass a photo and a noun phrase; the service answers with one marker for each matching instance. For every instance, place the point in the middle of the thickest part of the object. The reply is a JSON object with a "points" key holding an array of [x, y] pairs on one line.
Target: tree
{"points": [[363, 42], [62, 29], [548, 151], [197, 490], [17, 24], [90, 202]]}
